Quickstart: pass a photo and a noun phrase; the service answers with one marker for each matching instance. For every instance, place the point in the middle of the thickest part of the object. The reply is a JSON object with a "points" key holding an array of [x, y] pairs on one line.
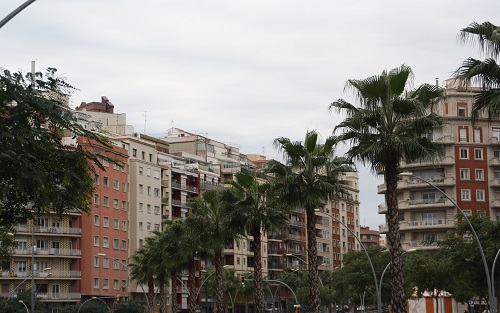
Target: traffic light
{"points": [[118, 298], [242, 280]]}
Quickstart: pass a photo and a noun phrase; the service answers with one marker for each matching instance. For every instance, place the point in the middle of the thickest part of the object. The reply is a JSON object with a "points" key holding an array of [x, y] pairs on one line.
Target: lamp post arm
{"points": [[15, 12], [494, 299], [488, 279]]}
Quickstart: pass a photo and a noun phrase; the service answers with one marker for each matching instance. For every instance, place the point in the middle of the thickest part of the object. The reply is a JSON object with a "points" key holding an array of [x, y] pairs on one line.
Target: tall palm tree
{"points": [[485, 73], [216, 221], [257, 208], [310, 176], [142, 271], [392, 123]]}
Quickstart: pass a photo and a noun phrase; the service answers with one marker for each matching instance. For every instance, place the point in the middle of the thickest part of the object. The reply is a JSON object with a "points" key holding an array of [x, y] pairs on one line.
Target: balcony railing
{"points": [[51, 251], [50, 296], [425, 201], [24, 228]]}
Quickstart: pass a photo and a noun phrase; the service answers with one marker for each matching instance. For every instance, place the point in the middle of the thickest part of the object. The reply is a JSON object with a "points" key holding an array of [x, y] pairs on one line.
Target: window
{"points": [[124, 186], [115, 204], [150, 157], [148, 226], [105, 283], [157, 192], [105, 201], [116, 244], [116, 223], [141, 187], [105, 181], [134, 152], [156, 174], [465, 194], [496, 154], [96, 261], [115, 284], [96, 283], [157, 210], [105, 242], [105, 221], [464, 174], [477, 134], [479, 174], [478, 154], [141, 206], [96, 199], [124, 246], [96, 241], [143, 154], [157, 227], [430, 237], [105, 262], [464, 153], [140, 225], [116, 264], [462, 109], [149, 209], [148, 172], [115, 166], [105, 163], [96, 220], [429, 218], [479, 195], [124, 284], [96, 179], [141, 170], [124, 225], [149, 190], [116, 184], [462, 134]]}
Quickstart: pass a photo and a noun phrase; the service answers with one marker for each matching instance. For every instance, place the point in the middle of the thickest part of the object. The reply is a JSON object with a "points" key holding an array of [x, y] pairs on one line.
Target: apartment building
{"points": [[104, 241], [468, 172], [369, 237]]}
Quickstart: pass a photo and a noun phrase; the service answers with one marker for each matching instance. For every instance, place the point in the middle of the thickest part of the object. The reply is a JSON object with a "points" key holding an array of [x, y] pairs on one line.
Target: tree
{"points": [[484, 73], [255, 205], [430, 272], [310, 176], [12, 305], [142, 269], [219, 226], [392, 124], [33, 119], [130, 306]]}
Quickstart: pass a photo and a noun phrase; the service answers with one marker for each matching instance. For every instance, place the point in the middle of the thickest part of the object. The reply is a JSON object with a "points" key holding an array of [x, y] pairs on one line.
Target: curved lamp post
{"points": [[377, 287], [93, 298], [493, 301], [488, 278], [21, 301], [15, 12]]}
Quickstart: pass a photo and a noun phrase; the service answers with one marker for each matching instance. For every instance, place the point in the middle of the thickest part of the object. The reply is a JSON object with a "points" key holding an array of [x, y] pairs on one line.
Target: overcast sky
{"points": [[240, 72]]}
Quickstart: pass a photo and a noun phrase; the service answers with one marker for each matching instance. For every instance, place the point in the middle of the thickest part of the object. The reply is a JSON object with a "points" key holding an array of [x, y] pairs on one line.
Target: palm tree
{"points": [[142, 271], [392, 123], [218, 224], [310, 176], [257, 208], [484, 73]]}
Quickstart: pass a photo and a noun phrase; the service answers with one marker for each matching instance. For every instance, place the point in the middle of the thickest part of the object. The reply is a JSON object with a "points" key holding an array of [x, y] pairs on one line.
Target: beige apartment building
{"points": [[468, 172]]}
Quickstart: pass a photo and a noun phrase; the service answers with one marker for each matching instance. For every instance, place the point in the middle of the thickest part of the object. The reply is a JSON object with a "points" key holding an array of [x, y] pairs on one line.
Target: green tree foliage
{"points": [[256, 206], [38, 171], [429, 271], [130, 306], [217, 220], [390, 124], [485, 73], [13, 305], [310, 175], [463, 252]]}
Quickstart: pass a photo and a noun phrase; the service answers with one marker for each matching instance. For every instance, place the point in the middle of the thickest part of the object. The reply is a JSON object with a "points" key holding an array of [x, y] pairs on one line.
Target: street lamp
{"points": [[379, 292], [93, 298], [13, 291], [488, 278], [203, 282], [15, 12], [21, 301], [493, 301], [377, 287]]}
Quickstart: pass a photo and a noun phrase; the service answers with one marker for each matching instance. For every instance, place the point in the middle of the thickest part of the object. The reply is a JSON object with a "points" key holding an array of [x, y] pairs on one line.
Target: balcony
{"points": [[278, 251], [164, 183], [494, 162], [207, 185], [425, 224], [294, 237], [39, 274], [446, 160], [495, 183], [164, 200], [419, 245], [297, 223], [50, 252], [495, 204], [68, 296], [494, 140], [420, 202], [24, 228]]}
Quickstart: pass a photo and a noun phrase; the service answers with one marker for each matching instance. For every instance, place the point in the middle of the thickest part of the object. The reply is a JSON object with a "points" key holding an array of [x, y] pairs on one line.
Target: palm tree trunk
{"points": [[161, 283], [312, 262], [393, 236], [173, 301], [219, 293], [151, 293], [192, 286], [260, 305]]}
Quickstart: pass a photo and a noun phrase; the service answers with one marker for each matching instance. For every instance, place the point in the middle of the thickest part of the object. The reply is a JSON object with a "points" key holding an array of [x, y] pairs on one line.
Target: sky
{"points": [[239, 72]]}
